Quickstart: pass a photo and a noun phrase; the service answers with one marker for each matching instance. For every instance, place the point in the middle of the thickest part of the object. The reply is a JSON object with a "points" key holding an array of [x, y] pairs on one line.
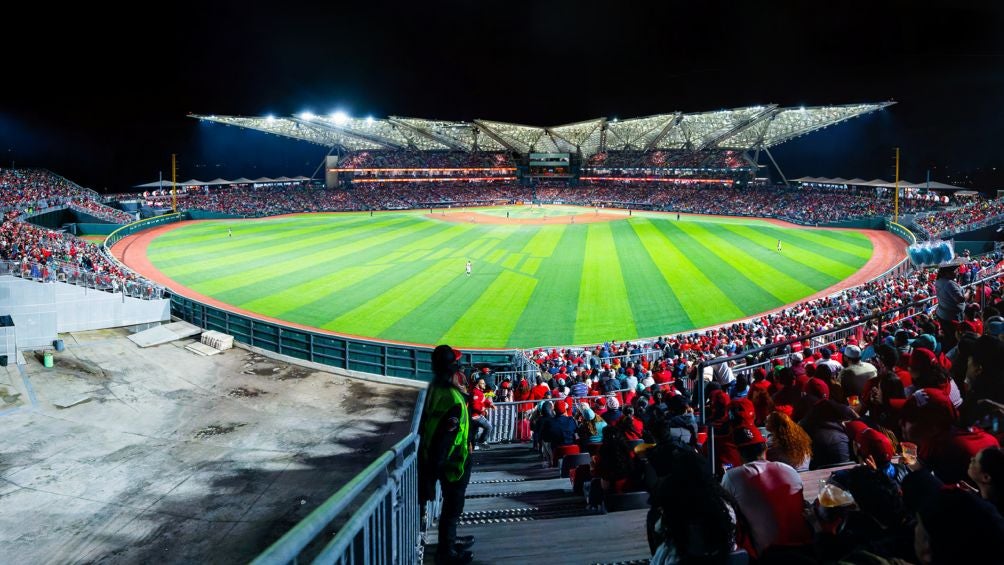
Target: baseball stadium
{"points": [[567, 252], [251, 369]]}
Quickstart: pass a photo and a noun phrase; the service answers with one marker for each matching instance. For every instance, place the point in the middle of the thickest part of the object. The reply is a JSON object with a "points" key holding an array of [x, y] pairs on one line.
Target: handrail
{"points": [[287, 548], [903, 232]]}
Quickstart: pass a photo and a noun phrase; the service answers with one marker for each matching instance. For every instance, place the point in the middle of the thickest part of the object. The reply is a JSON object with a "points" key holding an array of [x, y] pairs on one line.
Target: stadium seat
{"points": [[562, 450], [627, 501], [569, 462]]}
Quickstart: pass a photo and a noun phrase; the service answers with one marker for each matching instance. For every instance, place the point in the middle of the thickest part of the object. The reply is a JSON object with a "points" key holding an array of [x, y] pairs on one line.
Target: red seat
{"points": [[560, 451]]}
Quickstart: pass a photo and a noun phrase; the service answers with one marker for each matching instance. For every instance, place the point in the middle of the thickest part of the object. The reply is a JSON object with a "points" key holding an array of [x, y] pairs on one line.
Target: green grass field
{"points": [[400, 276]]}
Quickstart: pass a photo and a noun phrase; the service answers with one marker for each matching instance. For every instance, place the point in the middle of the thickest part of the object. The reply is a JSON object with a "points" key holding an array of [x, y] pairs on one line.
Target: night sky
{"points": [[101, 97]]}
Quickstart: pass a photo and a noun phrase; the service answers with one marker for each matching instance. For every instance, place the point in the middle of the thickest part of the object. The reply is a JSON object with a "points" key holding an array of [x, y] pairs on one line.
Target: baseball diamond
{"points": [[542, 275]]}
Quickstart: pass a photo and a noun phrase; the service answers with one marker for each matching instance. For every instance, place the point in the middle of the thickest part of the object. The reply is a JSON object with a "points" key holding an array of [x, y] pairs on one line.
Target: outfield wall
{"points": [[343, 352], [354, 354]]}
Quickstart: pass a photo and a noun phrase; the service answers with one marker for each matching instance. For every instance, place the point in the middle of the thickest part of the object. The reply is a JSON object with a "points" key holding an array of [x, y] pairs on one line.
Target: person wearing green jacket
{"points": [[444, 452]]}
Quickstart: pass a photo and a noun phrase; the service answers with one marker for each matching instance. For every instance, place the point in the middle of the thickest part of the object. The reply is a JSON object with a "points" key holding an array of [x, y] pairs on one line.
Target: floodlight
{"points": [[339, 117], [307, 116], [270, 118], [369, 119]]}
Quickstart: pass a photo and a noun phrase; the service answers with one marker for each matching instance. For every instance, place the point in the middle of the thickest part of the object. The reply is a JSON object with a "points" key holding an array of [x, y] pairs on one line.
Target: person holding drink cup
{"points": [[929, 422]]}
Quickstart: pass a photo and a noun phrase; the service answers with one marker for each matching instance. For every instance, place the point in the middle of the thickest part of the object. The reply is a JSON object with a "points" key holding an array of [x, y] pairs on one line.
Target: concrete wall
{"points": [[41, 310]]}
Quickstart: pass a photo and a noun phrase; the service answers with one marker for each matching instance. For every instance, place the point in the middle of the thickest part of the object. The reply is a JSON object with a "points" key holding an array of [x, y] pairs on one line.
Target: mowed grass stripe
{"points": [[217, 237], [745, 293], [807, 273], [306, 262], [502, 303], [544, 241], [816, 257], [704, 302], [287, 248], [430, 320], [809, 239], [376, 315], [779, 284], [530, 266], [654, 306], [549, 317], [295, 296], [603, 308], [428, 243], [855, 238], [177, 245], [324, 309]]}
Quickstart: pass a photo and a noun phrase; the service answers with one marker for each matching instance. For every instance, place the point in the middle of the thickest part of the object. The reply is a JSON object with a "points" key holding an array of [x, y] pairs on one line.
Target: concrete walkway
{"points": [[165, 456], [521, 513]]}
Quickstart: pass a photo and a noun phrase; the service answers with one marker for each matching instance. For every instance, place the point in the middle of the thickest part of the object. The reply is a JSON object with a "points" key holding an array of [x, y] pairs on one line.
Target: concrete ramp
{"points": [[164, 334]]}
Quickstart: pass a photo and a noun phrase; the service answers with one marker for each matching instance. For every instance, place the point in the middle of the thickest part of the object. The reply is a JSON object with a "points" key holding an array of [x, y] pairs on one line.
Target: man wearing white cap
{"points": [[856, 372]]}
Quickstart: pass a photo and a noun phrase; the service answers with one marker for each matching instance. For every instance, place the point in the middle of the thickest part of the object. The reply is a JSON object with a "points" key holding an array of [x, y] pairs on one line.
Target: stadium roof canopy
{"points": [[750, 128], [878, 182], [220, 182]]}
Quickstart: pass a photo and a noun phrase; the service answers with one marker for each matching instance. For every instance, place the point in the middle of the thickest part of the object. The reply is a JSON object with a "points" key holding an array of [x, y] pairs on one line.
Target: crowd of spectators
{"points": [[42, 254], [667, 159], [28, 190], [805, 206], [971, 215], [903, 426], [100, 211], [426, 160], [258, 201], [46, 255]]}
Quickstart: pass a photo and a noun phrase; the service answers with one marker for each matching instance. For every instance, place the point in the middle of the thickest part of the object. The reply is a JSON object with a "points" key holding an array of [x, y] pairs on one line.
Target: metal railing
{"points": [[70, 273], [505, 416], [384, 527]]}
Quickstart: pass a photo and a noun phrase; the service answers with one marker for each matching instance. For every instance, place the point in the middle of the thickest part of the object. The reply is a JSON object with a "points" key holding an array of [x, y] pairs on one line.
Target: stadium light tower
{"points": [[307, 116], [340, 117]]}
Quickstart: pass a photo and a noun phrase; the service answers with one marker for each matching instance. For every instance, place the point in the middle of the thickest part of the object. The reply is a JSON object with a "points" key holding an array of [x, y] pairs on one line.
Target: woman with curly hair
{"points": [[788, 442]]}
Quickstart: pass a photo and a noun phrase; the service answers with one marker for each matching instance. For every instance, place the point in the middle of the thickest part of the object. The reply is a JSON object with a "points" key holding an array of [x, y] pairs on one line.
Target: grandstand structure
{"points": [[671, 147]]}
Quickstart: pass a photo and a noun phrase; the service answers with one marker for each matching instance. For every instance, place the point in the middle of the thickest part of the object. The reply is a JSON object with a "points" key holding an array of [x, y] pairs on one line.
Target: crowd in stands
{"points": [[426, 160], [42, 254], [99, 210], [969, 216], [667, 159], [46, 255], [902, 421], [803, 206], [28, 190], [260, 201]]}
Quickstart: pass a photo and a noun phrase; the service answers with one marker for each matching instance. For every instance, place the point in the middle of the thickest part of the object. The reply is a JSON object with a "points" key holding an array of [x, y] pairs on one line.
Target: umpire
{"points": [[444, 452]]}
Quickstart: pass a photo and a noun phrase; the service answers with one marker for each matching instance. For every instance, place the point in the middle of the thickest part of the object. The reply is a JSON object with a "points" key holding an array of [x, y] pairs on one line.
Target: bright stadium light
{"points": [[307, 116], [339, 117], [270, 118], [369, 119]]}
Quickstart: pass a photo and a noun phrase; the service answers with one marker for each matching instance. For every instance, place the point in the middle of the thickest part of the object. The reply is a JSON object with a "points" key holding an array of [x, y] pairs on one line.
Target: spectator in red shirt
{"points": [[480, 405], [929, 419]]}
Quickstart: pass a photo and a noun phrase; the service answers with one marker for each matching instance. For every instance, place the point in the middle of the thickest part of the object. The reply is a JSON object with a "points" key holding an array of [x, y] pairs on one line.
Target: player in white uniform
{"points": [[468, 267], [779, 246]]}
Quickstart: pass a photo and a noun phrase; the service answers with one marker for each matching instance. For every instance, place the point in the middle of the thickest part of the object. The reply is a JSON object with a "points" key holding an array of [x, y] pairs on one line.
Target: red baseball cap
{"points": [[854, 429], [744, 410], [560, 407], [747, 435], [818, 388], [930, 406], [875, 444]]}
